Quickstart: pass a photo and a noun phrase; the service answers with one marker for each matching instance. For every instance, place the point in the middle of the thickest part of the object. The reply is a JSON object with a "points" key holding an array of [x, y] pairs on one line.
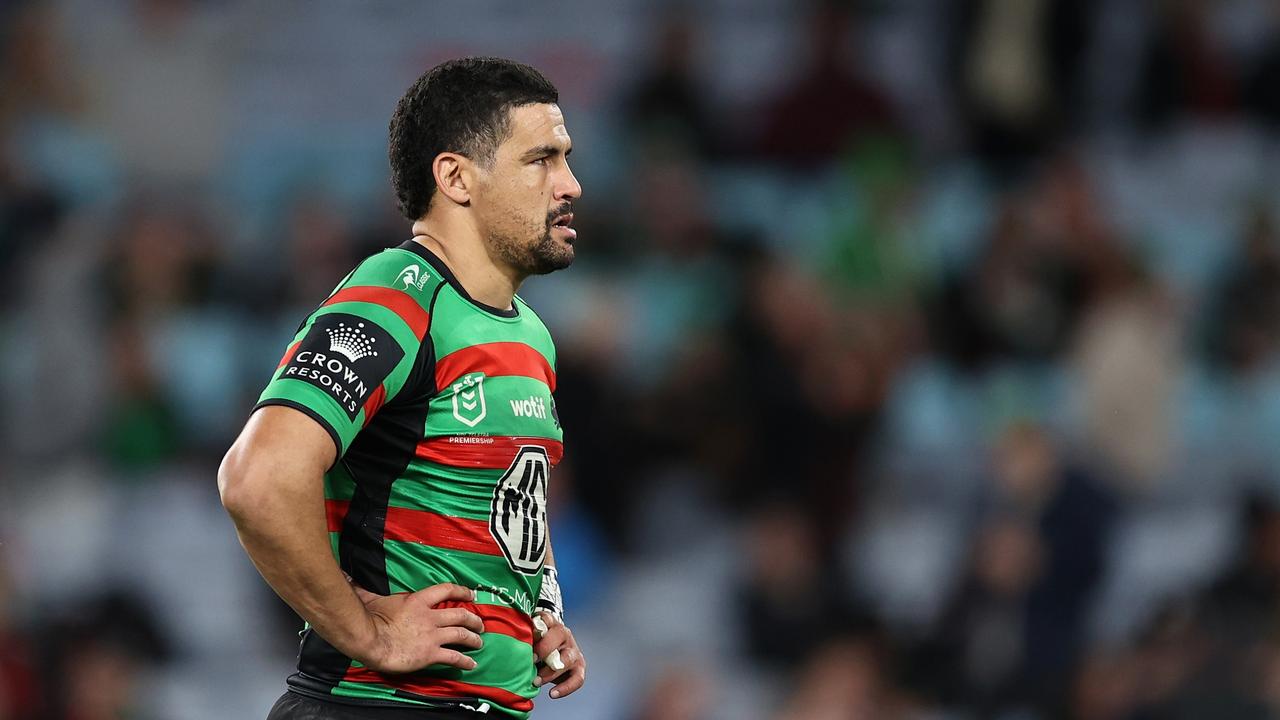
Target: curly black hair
{"points": [[459, 106]]}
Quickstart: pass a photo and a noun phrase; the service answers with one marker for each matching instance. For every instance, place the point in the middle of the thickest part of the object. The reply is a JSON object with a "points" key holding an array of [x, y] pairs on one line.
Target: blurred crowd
{"points": [[921, 358]]}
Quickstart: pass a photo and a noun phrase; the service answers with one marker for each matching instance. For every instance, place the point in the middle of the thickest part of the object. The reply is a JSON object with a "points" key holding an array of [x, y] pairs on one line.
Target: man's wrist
{"points": [[550, 600]]}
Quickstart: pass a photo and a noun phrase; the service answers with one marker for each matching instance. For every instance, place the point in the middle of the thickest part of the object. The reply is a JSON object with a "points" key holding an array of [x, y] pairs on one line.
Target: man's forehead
{"points": [[538, 123]]}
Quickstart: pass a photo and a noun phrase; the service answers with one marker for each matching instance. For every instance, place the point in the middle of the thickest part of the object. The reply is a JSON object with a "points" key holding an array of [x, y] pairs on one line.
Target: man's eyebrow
{"points": [[545, 150]]}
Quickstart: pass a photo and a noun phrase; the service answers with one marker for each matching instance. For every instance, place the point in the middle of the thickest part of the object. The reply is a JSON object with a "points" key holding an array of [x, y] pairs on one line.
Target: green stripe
{"points": [[457, 324], [445, 490], [413, 566], [370, 691]]}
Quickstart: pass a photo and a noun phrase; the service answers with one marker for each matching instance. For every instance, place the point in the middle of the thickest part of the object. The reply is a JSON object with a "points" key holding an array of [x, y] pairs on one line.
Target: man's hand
{"points": [[572, 670], [410, 633]]}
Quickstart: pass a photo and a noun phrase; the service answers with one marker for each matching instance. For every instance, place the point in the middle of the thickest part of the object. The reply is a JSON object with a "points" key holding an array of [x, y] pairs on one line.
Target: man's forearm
{"points": [[280, 519]]}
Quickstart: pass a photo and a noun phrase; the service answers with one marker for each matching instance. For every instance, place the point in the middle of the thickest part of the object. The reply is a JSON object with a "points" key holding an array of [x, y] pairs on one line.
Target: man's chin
{"points": [[549, 264], [551, 255]]}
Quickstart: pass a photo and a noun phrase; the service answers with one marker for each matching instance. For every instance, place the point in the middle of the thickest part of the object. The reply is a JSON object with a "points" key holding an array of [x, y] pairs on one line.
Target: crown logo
{"points": [[351, 342]]}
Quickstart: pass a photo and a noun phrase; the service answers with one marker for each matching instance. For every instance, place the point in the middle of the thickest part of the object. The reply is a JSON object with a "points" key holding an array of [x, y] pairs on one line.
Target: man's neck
{"points": [[464, 254]]}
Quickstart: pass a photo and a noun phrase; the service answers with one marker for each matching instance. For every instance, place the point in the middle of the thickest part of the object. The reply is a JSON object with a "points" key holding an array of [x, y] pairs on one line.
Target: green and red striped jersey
{"points": [[442, 412]]}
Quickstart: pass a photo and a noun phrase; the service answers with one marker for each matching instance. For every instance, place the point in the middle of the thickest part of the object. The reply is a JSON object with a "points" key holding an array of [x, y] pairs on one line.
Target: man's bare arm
{"points": [[272, 485]]}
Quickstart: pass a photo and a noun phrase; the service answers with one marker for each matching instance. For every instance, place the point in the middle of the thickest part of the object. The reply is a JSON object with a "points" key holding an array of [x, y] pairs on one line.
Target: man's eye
{"points": [[540, 161]]}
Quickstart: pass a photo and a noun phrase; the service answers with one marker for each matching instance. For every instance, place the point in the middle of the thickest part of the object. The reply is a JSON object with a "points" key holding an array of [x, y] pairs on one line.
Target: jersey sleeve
{"points": [[355, 353]]}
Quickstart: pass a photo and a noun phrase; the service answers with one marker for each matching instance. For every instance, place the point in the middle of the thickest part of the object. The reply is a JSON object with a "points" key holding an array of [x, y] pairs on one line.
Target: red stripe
{"points": [[335, 511], [374, 403], [499, 619], [438, 687], [397, 301], [495, 359], [288, 354], [428, 528], [486, 452]]}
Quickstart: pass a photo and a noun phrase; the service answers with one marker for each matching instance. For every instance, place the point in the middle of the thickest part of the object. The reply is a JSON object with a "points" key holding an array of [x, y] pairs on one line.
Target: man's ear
{"points": [[453, 173]]}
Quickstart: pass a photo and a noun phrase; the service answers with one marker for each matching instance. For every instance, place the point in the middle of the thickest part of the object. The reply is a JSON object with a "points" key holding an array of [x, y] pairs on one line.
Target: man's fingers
{"points": [[568, 657], [547, 673], [458, 636], [446, 656], [460, 617], [571, 682], [437, 594], [557, 638], [553, 661]]}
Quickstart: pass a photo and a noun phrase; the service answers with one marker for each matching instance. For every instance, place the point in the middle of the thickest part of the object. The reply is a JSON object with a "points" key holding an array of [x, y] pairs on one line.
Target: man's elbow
{"points": [[239, 484]]}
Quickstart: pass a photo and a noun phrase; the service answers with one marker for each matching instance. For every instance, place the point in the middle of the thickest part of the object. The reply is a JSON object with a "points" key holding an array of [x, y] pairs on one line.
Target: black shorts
{"points": [[293, 706]]}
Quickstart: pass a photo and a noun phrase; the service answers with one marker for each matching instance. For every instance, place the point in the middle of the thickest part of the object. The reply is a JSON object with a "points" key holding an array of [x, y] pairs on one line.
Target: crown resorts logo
{"points": [[346, 357], [351, 342]]}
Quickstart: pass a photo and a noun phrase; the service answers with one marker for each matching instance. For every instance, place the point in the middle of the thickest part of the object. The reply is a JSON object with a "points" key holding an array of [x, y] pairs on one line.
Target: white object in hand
{"points": [[552, 659]]}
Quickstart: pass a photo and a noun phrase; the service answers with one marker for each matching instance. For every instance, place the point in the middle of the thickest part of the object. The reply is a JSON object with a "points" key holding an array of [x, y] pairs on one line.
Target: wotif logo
{"points": [[533, 407], [413, 276], [468, 399], [351, 342]]}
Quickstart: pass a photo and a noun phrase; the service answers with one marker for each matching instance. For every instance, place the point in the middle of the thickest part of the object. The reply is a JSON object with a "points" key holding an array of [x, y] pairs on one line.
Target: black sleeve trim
{"points": [[333, 434]]}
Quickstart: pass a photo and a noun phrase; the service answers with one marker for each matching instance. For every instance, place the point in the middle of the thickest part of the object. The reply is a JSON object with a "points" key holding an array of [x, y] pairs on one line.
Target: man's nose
{"points": [[568, 188]]}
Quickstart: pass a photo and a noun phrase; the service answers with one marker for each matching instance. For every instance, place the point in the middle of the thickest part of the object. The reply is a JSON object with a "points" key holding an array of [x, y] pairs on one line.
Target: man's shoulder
{"points": [[537, 328], [399, 270]]}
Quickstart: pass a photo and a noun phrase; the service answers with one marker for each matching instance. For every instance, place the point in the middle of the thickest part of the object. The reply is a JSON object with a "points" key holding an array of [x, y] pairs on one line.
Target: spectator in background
{"points": [[1016, 626], [790, 601], [1019, 300], [159, 76], [1049, 257], [668, 105], [1243, 329], [141, 430], [51, 154], [162, 259], [820, 379], [29, 212], [99, 653], [831, 107], [1018, 64], [848, 677], [680, 692], [1242, 607], [977, 657], [320, 250], [34, 67], [21, 688], [1127, 356], [1187, 71], [1264, 76]]}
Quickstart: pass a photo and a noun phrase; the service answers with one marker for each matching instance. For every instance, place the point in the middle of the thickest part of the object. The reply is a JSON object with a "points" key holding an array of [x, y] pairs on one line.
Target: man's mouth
{"points": [[563, 222]]}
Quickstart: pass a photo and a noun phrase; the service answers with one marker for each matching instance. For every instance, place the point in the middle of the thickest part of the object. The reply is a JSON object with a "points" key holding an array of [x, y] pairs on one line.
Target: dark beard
{"points": [[547, 255], [542, 257]]}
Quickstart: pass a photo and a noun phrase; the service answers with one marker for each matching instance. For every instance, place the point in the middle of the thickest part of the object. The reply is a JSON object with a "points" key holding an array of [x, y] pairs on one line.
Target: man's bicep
{"points": [[283, 436]]}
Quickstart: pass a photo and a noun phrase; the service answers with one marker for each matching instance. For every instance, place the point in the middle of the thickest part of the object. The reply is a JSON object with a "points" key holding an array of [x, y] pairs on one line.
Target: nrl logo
{"points": [[468, 399], [413, 276]]}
